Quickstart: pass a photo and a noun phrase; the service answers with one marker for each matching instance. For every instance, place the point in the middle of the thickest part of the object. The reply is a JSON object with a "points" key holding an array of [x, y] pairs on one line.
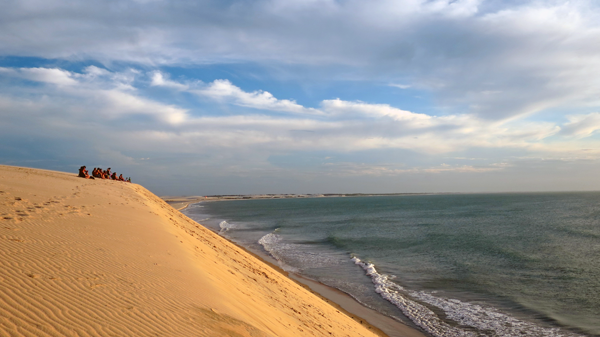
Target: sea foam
{"points": [[225, 226], [273, 244], [486, 320]]}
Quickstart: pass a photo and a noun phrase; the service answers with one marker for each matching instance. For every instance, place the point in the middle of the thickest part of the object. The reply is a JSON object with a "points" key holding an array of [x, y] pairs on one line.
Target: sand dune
{"points": [[102, 258]]}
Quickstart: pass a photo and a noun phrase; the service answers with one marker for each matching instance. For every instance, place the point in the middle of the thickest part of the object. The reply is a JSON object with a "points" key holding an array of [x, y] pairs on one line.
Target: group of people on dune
{"points": [[102, 174]]}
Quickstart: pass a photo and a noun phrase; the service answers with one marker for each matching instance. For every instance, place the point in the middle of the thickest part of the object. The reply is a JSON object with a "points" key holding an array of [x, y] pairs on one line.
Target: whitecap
{"points": [[487, 320], [225, 226]]}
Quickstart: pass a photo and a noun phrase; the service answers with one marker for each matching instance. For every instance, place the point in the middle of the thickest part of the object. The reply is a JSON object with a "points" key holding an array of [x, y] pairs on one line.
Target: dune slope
{"points": [[102, 258]]}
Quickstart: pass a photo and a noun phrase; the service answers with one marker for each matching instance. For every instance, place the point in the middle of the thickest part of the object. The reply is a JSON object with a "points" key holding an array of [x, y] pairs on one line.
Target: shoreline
{"points": [[385, 325], [83, 257], [519, 321]]}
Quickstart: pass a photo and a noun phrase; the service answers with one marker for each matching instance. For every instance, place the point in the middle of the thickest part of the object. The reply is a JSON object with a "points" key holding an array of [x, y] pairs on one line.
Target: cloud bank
{"points": [[499, 59], [511, 88], [105, 105]]}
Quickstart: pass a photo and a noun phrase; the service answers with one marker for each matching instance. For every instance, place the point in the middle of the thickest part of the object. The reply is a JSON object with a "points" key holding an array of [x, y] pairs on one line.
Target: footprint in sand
{"points": [[21, 213]]}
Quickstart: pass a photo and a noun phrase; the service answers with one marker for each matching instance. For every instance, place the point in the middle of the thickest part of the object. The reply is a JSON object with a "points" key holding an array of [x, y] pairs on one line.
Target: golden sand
{"points": [[105, 258]]}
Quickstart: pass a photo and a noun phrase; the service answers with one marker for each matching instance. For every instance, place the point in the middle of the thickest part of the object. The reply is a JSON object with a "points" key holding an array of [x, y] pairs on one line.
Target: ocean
{"points": [[523, 264]]}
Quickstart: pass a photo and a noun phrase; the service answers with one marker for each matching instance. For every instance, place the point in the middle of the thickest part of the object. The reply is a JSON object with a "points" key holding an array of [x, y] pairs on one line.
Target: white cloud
{"points": [[339, 107], [400, 86], [46, 75], [158, 79], [224, 90], [93, 72], [94, 93], [118, 103], [582, 126], [459, 8]]}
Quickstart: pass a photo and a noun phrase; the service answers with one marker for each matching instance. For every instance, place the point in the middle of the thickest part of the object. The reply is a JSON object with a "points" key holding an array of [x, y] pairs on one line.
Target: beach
{"points": [[98, 258]]}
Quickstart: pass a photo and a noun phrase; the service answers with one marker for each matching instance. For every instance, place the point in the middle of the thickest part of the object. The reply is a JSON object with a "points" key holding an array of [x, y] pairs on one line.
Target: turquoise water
{"points": [[453, 265]]}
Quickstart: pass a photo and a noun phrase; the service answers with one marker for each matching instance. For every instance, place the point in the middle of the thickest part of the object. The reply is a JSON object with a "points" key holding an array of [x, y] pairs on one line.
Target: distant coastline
{"points": [[180, 202]]}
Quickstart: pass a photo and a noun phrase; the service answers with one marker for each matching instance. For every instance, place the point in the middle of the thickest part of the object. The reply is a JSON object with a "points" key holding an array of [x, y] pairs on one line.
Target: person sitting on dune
{"points": [[83, 173], [102, 174]]}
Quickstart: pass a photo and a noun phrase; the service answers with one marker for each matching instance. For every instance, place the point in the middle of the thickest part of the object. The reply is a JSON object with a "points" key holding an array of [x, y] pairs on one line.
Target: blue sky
{"points": [[311, 96]]}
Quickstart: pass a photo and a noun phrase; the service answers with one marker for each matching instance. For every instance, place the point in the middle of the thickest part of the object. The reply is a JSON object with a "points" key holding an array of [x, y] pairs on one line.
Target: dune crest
{"points": [[104, 258]]}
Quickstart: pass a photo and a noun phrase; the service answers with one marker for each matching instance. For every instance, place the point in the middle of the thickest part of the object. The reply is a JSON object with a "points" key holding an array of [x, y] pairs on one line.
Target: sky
{"points": [[306, 96]]}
